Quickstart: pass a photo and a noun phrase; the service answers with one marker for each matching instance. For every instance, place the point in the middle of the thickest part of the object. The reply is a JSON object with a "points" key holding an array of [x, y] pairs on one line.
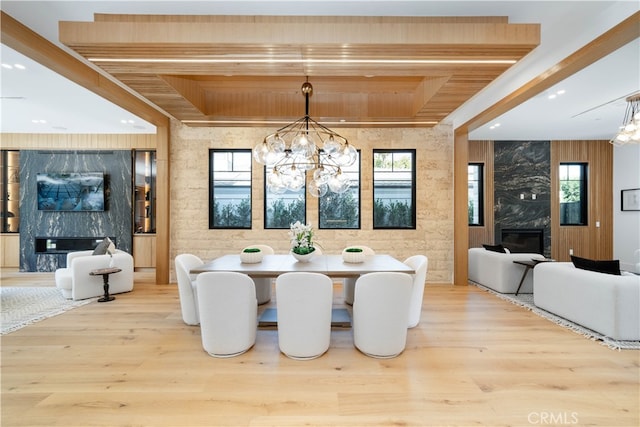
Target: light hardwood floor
{"points": [[473, 360]]}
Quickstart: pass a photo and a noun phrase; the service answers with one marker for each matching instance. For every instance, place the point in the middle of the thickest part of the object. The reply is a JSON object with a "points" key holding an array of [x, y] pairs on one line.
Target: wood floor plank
{"points": [[473, 360]]}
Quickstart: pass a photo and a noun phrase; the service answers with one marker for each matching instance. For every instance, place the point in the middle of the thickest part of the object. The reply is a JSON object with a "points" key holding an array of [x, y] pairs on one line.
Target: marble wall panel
{"points": [[114, 221], [523, 187]]}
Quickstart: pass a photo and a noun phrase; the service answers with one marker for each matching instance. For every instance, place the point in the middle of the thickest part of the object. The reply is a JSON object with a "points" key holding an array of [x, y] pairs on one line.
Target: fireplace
{"points": [[523, 240]]}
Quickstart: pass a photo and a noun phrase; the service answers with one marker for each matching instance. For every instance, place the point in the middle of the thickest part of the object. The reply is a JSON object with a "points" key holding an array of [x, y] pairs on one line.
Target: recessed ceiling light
{"points": [[7, 66], [20, 66], [39, 121], [495, 125]]}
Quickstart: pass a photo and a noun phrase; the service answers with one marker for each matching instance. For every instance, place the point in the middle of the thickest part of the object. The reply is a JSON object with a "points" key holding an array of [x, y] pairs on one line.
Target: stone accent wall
{"points": [[432, 237]]}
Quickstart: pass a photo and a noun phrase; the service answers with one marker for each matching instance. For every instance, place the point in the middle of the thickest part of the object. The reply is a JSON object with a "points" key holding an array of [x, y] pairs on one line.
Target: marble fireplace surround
{"points": [[83, 228]]}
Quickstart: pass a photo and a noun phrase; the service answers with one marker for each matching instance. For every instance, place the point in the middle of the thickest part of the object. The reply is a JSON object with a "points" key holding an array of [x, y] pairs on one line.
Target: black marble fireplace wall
{"points": [[115, 221], [522, 179]]}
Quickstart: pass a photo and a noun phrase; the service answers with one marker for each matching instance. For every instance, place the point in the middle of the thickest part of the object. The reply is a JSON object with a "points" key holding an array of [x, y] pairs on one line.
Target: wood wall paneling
{"points": [[10, 250], [482, 152], [589, 241], [144, 250]]}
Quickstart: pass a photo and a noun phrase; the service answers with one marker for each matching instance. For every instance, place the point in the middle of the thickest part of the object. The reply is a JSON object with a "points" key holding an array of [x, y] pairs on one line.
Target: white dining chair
{"points": [[349, 283], [263, 284], [303, 302], [187, 287], [419, 263], [381, 312], [228, 312]]}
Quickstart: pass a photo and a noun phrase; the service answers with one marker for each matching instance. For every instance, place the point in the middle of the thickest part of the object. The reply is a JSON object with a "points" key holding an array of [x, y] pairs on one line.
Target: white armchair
{"points": [[76, 283]]}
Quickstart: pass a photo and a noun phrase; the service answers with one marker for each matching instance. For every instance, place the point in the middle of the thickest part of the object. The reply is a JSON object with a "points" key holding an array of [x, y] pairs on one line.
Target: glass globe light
{"points": [[277, 144], [260, 152], [347, 155], [317, 190], [339, 183], [331, 146], [303, 145], [320, 175]]}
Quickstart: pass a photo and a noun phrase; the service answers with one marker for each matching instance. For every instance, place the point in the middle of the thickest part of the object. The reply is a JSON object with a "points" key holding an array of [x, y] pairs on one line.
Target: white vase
{"points": [[251, 257], [353, 257], [305, 257]]}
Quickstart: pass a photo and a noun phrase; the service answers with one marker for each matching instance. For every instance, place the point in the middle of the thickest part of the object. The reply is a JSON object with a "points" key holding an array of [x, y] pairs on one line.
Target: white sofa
{"points": [[76, 283], [497, 270], [605, 303]]}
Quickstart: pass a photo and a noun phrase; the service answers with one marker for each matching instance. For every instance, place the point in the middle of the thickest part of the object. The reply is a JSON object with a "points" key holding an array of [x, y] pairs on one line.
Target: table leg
{"points": [[526, 270], [106, 297]]}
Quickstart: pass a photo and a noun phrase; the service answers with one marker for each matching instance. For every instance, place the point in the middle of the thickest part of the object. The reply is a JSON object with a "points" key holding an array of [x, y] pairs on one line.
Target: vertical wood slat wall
{"points": [[482, 152], [586, 241]]}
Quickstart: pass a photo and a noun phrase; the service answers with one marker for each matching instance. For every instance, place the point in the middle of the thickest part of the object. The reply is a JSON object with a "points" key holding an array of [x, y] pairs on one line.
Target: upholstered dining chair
{"points": [[419, 263], [381, 312], [263, 284], [228, 312], [304, 314], [349, 283], [187, 287]]}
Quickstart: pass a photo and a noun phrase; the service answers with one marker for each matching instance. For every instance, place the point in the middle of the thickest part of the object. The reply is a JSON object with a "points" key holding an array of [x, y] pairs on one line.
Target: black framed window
{"points": [[476, 194], [283, 209], [230, 188], [394, 189], [342, 211], [573, 193]]}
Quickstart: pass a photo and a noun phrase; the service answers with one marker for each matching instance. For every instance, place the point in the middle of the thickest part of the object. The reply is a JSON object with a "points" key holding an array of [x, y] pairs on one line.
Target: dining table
{"points": [[331, 265]]}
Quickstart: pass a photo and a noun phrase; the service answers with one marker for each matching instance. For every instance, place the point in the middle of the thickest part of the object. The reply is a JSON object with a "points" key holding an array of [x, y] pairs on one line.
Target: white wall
{"points": [[626, 225]]}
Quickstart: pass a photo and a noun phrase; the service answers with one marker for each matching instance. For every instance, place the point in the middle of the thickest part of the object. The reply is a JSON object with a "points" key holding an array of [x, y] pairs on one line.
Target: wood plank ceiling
{"points": [[248, 70]]}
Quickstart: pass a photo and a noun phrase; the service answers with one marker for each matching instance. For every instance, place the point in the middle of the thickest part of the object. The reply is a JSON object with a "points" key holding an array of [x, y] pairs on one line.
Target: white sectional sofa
{"points": [[606, 303], [497, 271]]}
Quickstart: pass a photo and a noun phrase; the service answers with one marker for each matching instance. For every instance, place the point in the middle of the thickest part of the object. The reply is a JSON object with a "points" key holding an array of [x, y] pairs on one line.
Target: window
{"points": [[476, 194], [394, 191], [573, 193], [230, 189], [342, 210], [281, 210]]}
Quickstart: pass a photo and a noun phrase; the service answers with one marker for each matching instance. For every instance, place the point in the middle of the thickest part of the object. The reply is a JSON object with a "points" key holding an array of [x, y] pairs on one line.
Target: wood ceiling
{"points": [[248, 70]]}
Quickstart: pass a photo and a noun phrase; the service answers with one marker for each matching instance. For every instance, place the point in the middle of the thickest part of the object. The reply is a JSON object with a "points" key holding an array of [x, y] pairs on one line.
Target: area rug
{"points": [[526, 301], [22, 306]]}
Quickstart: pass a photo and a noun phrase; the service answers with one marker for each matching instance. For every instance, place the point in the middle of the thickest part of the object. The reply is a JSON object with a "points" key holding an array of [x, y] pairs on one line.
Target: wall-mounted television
{"points": [[73, 192]]}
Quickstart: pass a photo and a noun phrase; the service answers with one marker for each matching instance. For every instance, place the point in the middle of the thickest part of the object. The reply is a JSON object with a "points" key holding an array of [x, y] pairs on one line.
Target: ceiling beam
{"points": [[21, 39], [623, 33]]}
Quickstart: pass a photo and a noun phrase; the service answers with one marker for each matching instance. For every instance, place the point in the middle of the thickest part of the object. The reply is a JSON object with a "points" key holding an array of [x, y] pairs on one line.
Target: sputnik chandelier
{"points": [[306, 145], [629, 132]]}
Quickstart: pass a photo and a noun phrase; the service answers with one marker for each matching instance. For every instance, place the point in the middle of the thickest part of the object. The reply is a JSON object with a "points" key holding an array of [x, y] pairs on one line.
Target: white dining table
{"points": [[331, 265]]}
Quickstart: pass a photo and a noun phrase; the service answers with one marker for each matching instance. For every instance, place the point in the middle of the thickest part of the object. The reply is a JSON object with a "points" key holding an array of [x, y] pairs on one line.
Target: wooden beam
{"points": [[460, 207], [623, 33], [22, 39]]}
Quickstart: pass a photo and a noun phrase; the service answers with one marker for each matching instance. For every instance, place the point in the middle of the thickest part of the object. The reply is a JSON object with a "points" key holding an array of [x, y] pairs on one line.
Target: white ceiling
{"points": [[592, 106]]}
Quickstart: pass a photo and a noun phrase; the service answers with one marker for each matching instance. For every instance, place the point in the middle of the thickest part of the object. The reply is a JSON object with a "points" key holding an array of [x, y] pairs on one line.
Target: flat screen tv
{"points": [[73, 192]]}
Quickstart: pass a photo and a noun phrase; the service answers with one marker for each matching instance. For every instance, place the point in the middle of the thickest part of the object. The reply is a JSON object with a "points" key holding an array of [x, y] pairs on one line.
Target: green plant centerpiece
{"points": [[301, 238], [354, 250], [251, 250]]}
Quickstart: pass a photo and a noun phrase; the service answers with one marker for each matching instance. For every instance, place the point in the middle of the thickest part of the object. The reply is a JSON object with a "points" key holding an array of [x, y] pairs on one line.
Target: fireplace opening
{"points": [[523, 240]]}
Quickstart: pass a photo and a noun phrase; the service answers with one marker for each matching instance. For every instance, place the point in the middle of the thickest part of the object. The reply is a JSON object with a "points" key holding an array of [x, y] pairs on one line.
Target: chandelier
{"points": [[629, 132], [306, 145]]}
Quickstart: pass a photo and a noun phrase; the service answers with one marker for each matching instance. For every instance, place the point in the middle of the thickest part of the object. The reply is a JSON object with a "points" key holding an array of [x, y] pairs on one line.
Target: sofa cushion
{"points": [[103, 247], [605, 266], [495, 248]]}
